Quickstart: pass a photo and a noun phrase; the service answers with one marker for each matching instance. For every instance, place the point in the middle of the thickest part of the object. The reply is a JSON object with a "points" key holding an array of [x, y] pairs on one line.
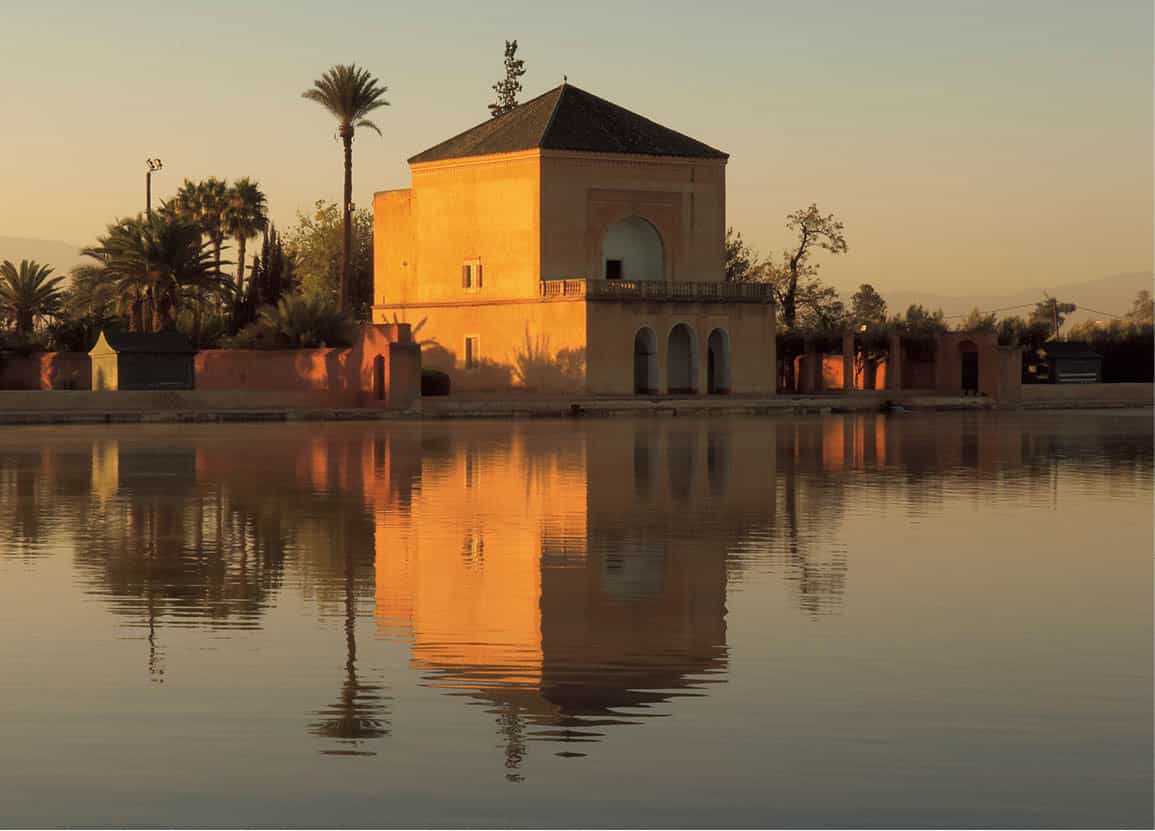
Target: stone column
{"points": [[894, 363], [848, 361], [811, 369]]}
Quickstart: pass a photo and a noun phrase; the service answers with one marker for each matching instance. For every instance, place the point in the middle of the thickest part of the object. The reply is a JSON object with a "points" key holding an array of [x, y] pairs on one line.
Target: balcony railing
{"points": [[657, 290]]}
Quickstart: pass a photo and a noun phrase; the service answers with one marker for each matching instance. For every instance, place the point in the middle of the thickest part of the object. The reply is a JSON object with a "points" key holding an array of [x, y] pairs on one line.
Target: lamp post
{"points": [[153, 166]]}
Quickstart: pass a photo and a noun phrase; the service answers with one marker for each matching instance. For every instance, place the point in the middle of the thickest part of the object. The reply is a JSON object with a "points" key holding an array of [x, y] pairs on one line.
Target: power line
{"points": [[1096, 311], [1078, 307]]}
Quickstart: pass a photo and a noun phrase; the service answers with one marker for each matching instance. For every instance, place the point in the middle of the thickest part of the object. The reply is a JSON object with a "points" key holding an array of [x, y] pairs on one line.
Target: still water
{"points": [[911, 620]]}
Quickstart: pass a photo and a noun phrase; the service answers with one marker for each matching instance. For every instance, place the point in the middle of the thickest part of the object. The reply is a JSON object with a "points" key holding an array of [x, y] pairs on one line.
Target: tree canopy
{"points": [[507, 88]]}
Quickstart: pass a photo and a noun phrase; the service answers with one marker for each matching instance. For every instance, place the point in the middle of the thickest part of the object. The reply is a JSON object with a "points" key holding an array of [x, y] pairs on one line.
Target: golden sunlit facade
{"points": [[522, 264]]}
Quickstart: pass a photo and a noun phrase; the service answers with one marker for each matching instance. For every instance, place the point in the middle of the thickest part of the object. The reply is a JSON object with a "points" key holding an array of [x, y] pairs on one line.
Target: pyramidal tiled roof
{"points": [[568, 118]]}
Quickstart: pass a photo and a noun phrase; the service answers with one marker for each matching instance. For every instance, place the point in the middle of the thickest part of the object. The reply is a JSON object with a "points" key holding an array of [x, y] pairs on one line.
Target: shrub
{"points": [[296, 322], [434, 382]]}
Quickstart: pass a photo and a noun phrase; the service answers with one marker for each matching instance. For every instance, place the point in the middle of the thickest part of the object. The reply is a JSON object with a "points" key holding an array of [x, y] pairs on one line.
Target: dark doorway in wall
{"points": [[969, 354]]}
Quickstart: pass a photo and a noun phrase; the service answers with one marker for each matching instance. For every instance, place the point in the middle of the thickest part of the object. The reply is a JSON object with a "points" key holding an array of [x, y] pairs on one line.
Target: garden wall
{"points": [[45, 371], [382, 370]]}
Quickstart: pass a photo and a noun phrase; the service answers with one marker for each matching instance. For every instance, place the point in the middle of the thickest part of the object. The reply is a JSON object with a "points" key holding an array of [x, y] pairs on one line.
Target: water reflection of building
{"points": [[543, 572], [570, 575]]}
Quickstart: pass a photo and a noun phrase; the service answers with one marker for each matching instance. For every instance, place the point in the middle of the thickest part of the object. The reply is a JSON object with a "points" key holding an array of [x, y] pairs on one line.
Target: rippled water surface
{"points": [[914, 620]]}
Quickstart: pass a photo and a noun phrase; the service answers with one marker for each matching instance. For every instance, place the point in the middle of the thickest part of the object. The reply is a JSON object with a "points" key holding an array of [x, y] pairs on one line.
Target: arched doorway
{"points": [[718, 362], [632, 250], [681, 361], [379, 378], [969, 358], [645, 362]]}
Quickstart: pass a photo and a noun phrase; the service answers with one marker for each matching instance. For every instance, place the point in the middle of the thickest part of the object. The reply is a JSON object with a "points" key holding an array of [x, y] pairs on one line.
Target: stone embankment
{"points": [[209, 406]]}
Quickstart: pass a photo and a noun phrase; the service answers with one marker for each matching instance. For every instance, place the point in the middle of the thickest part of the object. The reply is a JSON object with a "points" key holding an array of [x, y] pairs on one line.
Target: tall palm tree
{"points": [[150, 264], [28, 293], [350, 94], [203, 204], [246, 215]]}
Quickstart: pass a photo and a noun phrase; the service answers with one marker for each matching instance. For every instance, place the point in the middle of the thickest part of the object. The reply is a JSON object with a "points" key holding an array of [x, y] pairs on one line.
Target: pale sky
{"points": [[968, 146]]}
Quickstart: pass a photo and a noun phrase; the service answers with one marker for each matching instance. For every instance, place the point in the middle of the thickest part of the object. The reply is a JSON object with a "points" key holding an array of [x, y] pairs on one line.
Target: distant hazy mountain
{"points": [[62, 256], [1113, 294]]}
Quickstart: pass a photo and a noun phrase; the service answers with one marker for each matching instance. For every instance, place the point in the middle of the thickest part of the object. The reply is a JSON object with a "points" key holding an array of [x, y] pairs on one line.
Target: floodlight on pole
{"points": [[153, 166]]}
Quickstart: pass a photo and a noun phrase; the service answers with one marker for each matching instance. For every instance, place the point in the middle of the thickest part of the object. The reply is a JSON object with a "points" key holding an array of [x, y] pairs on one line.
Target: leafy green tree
{"points": [[29, 293], [297, 322], [816, 232], [919, 322], [820, 309], [271, 278], [245, 216], [149, 266], [315, 245], [1015, 331], [1142, 310], [509, 86], [977, 321], [350, 94], [1052, 313], [204, 205], [741, 261], [867, 308]]}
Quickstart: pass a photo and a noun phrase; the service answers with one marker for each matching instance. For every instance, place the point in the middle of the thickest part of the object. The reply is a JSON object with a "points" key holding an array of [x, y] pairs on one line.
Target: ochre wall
{"points": [[461, 210], [394, 253], [613, 326], [534, 345], [445, 579], [582, 194]]}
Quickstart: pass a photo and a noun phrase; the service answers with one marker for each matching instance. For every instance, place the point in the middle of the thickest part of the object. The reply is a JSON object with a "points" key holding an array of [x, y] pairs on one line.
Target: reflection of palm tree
{"points": [[359, 712], [512, 729]]}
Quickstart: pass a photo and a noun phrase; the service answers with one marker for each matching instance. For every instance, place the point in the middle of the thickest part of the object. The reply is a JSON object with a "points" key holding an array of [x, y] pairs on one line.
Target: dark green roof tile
{"points": [[568, 118]]}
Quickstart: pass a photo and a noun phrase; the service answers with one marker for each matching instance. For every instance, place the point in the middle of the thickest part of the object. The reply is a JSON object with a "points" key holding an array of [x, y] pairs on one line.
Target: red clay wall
{"points": [[314, 377], [345, 377], [46, 371]]}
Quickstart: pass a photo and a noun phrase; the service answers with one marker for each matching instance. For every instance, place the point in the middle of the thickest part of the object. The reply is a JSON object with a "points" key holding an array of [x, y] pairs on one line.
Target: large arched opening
{"points": [[718, 362], [632, 250], [681, 361], [646, 362], [969, 360]]}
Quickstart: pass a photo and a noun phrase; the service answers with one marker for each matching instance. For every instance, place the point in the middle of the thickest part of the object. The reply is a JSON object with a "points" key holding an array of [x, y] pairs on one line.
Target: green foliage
{"points": [[315, 244], [798, 272], [1142, 310], [245, 216], [28, 293], [1127, 344], [296, 322], [741, 261], [350, 94], [71, 333], [148, 266], [1051, 313], [203, 204], [820, 309], [867, 308], [1014, 331], [509, 86], [977, 321], [272, 278], [919, 323]]}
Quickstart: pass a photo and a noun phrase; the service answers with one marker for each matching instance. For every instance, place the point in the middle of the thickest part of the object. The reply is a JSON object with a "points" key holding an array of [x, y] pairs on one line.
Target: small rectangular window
{"points": [[472, 351], [471, 275], [613, 269]]}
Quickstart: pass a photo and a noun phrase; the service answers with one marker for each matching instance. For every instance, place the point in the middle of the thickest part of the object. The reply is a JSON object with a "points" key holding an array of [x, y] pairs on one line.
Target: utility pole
{"points": [[153, 166]]}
